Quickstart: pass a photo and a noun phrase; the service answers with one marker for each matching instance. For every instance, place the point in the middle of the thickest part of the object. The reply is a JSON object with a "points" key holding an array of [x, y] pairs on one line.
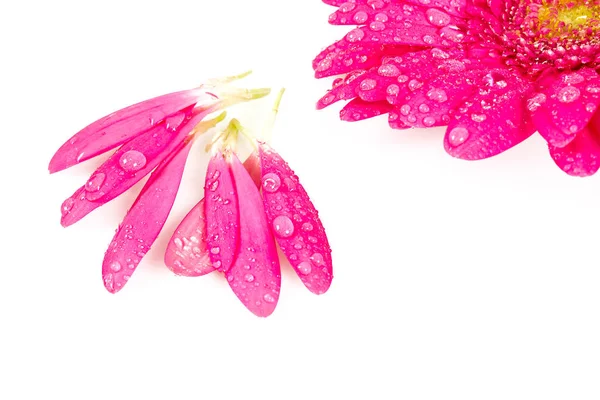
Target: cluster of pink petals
{"points": [[247, 209], [492, 71], [233, 231]]}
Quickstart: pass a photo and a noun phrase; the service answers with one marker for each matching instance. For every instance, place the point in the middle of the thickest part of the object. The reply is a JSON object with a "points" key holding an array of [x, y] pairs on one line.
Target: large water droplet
{"points": [[355, 35], [457, 136], [283, 226], [132, 161], [360, 17], [271, 182], [437, 17], [568, 94], [368, 84], [115, 266], [305, 267], [95, 182]]}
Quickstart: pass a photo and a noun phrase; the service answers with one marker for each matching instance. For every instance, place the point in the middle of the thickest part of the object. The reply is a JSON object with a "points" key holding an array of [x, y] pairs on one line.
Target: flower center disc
{"points": [[568, 16]]}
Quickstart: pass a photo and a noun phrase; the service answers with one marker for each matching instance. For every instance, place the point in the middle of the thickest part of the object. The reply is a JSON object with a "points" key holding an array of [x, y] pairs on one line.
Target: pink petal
{"points": [[255, 276], [116, 175], [454, 7], [295, 222], [186, 252], [581, 156], [358, 109], [570, 100], [221, 213], [493, 120], [143, 222], [118, 127]]}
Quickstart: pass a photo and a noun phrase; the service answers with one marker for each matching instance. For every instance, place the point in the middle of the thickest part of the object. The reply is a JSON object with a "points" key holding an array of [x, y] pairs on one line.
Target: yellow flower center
{"points": [[561, 16]]}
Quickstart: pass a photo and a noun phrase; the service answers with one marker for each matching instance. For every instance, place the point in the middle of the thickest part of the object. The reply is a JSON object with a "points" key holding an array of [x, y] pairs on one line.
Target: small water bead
{"points": [[368, 84], [402, 78], [428, 39], [271, 182], [388, 70], [414, 84], [305, 267], [283, 226], [458, 136], [307, 227], [249, 278], [568, 94], [393, 90], [178, 243], [381, 17], [355, 35], [590, 107], [593, 89], [405, 109], [536, 101], [377, 26], [229, 278], [132, 161], [317, 259], [213, 186], [428, 121], [95, 182], [347, 7], [269, 298], [424, 108], [572, 79], [360, 17], [438, 95], [437, 17], [115, 266], [478, 117], [328, 99], [215, 250], [67, 206]]}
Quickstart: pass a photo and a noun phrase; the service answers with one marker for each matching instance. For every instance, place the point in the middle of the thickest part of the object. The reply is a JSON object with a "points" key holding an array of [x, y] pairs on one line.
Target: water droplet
{"points": [[355, 35], [381, 17], [115, 266], [568, 94], [95, 182], [377, 26], [317, 259], [388, 70], [307, 227], [478, 117], [283, 226], [368, 84], [215, 250], [305, 267], [67, 206], [360, 17], [132, 161], [437, 17], [536, 101], [269, 298], [590, 107], [457, 136], [249, 278], [424, 108], [428, 121], [347, 7], [572, 79], [271, 182]]}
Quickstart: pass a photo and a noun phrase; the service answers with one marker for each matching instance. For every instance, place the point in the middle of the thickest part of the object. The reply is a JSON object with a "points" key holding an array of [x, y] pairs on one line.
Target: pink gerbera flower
{"points": [[492, 71], [249, 208], [155, 137]]}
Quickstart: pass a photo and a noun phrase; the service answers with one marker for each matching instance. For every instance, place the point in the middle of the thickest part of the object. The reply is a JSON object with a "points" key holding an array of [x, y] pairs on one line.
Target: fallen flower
{"points": [[247, 209], [154, 135], [492, 71]]}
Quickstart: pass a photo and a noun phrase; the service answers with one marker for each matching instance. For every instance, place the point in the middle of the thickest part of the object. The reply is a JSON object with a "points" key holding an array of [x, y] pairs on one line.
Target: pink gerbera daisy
{"points": [[493, 72]]}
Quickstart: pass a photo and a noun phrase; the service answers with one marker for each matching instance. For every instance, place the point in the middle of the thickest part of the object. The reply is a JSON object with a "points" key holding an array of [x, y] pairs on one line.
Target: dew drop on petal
{"points": [[360, 17], [67, 206], [355, 35], [269, 298], [271, 182], [305, 267], [115, 266], [249, 278], [95, 182], [368, 84], [132, 161], [568, 94], [437, 17], [457, 136], [283, 226]]}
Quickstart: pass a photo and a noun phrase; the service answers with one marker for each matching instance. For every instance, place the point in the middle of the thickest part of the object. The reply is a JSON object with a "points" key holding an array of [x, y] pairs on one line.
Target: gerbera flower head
{"points": [[493, 72]]}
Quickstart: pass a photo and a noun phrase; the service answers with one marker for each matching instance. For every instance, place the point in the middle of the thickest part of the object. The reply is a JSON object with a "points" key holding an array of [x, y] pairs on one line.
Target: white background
{"points": [[453, 279]]}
